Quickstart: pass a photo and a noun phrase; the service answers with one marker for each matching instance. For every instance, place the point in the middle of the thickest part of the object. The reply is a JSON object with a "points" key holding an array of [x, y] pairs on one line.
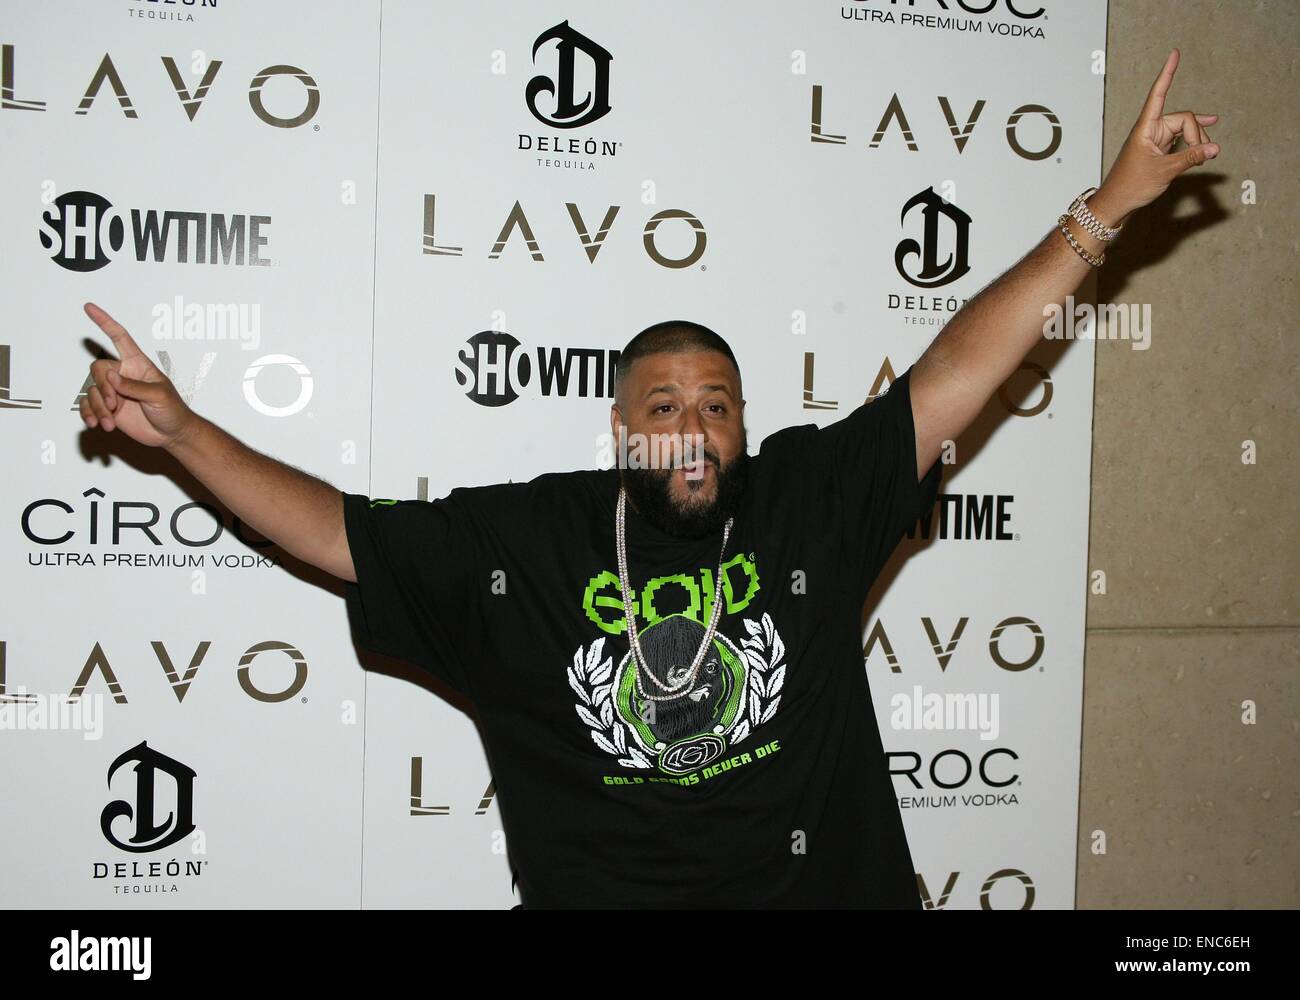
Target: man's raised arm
{"points": [[984, 343], [300, 513]]}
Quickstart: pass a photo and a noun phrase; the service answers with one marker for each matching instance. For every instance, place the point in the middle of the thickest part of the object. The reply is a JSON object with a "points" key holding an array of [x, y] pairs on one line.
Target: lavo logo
{"points": [[7, 400], [419, 807], [1039, 377], [83, 230], [272, 365], [1012, 877], [960, 133], [180, 680], [885, 377], [1025, 632], [493, 366], [591, 243], [190, 101]]}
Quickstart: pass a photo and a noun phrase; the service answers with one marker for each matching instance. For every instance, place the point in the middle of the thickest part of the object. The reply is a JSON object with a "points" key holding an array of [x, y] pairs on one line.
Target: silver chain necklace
{"points": [[638, 658]]}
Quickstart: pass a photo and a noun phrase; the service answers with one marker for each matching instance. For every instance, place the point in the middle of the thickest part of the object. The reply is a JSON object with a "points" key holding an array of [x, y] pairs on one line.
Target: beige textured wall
{"points": [[1199, 550]]}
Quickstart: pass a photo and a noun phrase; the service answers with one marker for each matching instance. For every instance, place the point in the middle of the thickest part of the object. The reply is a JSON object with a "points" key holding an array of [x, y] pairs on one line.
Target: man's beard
{"points": [[648, 489]]}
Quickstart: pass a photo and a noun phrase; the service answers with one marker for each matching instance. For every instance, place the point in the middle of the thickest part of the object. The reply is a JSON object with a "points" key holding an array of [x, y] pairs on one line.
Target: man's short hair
{"points": [[672, 336]]}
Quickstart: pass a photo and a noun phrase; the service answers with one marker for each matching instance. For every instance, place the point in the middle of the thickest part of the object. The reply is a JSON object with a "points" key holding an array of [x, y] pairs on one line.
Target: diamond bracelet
{"points": [[1092, 259], [1083, 215]]}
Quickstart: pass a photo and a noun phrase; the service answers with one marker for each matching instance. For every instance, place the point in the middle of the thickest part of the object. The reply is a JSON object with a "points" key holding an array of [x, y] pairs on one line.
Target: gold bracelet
{"points": [[1080, 211], [1069, 236]]}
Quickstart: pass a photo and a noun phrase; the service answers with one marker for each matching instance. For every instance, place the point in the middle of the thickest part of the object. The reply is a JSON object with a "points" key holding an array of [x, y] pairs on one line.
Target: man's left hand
{"points": [[1146, 166]]}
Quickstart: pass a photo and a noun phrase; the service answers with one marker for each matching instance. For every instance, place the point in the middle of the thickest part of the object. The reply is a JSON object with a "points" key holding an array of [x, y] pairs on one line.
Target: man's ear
{"points": [[615, 419]]}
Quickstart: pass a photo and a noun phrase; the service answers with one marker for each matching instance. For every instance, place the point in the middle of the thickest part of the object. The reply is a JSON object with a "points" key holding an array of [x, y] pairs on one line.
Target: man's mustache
{"points": [[690, 452], [690, 460], [687, 455]]}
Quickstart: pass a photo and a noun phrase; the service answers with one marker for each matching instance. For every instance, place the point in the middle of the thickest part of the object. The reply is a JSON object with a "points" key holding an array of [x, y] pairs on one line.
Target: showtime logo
{"points": [[493, 367], [83, 233], [968, 517]]}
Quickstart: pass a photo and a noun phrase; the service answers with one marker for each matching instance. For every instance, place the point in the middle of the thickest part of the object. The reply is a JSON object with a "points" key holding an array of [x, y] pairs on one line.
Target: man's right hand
{"points": [[130, 393]]}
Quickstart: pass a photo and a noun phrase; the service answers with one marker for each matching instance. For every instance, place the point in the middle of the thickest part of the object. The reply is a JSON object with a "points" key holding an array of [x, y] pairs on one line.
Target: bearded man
{"points": [[671, 688]]}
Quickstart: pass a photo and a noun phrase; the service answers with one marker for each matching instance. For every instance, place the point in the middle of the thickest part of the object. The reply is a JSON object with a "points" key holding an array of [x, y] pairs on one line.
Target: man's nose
{"points": [[693, 434]]}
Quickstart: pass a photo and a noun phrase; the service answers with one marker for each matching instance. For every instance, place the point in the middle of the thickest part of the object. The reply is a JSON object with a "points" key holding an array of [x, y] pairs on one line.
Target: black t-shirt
{"points": [[766, 785]]}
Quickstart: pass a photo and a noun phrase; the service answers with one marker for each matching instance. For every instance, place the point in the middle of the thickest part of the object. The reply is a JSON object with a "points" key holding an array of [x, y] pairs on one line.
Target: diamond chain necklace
{"points": [[638, 658]]}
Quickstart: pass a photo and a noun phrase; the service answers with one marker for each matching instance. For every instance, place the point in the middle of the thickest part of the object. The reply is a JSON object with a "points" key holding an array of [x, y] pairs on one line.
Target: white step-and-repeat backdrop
{"points": [[318, 217]]}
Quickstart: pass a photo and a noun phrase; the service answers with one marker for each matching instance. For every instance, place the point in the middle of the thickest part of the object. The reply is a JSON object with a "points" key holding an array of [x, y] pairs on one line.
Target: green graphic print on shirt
{"points": [[736, 690]]}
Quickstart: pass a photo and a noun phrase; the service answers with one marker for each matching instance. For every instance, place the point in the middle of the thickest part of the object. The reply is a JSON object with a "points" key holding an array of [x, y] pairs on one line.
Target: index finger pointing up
{"points": [[1155, 105], [126, 346]]}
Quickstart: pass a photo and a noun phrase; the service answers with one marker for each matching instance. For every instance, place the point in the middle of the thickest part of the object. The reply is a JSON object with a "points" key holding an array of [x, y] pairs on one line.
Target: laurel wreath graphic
{"points": [[592, 681], [764, 652]]}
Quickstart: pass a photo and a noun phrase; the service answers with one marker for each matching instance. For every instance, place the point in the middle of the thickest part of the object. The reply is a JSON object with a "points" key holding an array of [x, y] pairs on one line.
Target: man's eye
{"points": [[663, 406], [718, 407]]}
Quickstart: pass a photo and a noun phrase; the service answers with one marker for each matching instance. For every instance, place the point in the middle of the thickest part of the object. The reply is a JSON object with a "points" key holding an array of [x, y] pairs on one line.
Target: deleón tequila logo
{"points": [[570, 110], [149, 833]]}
